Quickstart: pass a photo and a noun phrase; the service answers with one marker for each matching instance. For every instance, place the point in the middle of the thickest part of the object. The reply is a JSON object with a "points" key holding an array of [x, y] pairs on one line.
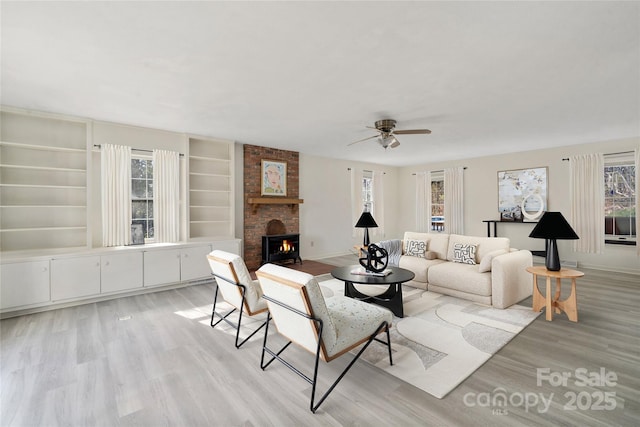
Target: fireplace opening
{"points": [[278, 246]]}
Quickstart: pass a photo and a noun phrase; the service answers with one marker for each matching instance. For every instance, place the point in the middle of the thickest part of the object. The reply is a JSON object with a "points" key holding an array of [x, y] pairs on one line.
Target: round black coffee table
{"points": [[391, 298]]}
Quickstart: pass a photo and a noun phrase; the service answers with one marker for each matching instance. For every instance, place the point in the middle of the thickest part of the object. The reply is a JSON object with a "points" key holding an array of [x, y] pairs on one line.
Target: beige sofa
{"points": [[482, 269]]}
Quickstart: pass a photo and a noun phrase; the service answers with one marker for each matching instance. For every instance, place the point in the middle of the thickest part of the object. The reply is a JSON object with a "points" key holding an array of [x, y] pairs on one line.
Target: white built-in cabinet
{"points": [[210, 188], [43, 182], [75, 277], [121, 271], [24, 283], [107, 272]]}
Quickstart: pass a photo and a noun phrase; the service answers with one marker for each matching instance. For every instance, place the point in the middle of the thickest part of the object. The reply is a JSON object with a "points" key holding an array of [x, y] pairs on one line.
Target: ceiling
{"points": [[485, 77]]}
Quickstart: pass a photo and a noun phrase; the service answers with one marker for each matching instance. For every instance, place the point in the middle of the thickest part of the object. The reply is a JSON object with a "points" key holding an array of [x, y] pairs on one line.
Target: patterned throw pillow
{"points": [[416, 248], [465, 254]]}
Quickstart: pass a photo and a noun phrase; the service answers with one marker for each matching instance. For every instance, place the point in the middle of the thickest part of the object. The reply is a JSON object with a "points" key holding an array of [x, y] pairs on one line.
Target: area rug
{"points": [[439, 343], [442, 340]]}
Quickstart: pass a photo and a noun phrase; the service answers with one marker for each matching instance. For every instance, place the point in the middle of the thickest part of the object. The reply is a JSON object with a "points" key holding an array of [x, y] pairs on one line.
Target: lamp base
{"points": [[552, 259], [366, 237]]}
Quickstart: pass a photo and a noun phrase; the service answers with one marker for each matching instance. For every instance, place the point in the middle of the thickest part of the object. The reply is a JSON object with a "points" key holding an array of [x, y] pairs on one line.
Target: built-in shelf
{"points": [[255, 202], [210, 188]]}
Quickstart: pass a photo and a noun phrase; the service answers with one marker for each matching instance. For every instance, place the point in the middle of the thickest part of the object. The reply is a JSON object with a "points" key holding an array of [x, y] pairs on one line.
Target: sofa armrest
{"points": [[510, 281]]}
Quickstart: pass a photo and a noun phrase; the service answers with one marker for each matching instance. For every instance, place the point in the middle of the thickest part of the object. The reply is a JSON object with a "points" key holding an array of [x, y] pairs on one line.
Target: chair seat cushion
{"points": [[354, 321]]}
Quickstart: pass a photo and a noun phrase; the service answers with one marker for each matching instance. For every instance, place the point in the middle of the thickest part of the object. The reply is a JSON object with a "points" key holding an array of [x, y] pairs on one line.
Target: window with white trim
{"points": [[620, 199], [367, 191], [142, 194], [437, 201]]}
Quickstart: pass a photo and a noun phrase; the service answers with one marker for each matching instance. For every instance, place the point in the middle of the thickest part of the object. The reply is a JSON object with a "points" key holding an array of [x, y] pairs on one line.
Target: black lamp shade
{"points": [[366, 221], [553, 226]]}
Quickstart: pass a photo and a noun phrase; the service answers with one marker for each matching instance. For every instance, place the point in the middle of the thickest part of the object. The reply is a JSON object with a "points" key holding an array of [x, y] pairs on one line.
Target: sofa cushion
{"points": [[419, 266], [436, 242], [460, 277], [465, 254], [416, 248], [485, 262], [484, 245]]}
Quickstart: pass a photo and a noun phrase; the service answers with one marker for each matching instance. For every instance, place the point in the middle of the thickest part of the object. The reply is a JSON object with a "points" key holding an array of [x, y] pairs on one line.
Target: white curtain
{"points": [[356, 201], [587, 202], [637, 164], [423, 202], [115, 162], [377, 182], [454, 200], [166, 196]]}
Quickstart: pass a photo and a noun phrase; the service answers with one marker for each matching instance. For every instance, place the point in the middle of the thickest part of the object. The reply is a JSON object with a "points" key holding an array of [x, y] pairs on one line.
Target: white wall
{"points": [[325, 215], [481, 199]]}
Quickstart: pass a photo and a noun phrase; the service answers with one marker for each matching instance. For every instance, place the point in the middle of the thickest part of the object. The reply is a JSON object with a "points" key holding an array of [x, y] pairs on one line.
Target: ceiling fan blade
{"points": [[364, 139], [411, 131]]}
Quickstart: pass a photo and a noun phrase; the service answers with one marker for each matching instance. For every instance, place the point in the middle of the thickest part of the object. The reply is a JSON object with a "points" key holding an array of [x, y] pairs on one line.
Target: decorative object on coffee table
{"points": [[553, 226], [366, 221], [376, 259]]}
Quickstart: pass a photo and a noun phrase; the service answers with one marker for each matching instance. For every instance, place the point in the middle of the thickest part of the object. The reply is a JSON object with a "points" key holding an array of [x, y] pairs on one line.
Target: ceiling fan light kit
{"points": [[387, 137]]}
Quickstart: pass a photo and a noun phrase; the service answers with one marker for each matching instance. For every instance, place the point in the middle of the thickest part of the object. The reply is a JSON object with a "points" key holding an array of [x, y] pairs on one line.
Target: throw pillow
{"points": [[465, 254], [431, 255], [485, 262], [416, 248]]}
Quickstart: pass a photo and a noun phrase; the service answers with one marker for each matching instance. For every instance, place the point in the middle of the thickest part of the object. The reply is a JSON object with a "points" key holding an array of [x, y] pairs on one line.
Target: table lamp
{"points": [[553, 226], [366, 221]]}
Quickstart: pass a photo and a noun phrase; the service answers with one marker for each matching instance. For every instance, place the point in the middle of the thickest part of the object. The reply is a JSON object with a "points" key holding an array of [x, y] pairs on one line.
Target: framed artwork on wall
{"points": [[274, 178], [522, 194]]}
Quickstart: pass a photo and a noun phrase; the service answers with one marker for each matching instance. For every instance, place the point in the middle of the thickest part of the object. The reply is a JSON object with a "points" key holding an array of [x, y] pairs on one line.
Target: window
{"points": [[620, 199], [142, 194], [437, 201], [367, 191]]}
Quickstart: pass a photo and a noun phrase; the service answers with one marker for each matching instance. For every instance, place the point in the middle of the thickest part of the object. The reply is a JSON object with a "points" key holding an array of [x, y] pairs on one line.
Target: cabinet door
{"points": [[24, 283], [121, 272], [75, 277], [195, 264], [161, 267]]}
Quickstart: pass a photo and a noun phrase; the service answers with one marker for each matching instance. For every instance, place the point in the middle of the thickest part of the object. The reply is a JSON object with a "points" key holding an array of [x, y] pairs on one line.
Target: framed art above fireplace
{"points": [[274, 178]]}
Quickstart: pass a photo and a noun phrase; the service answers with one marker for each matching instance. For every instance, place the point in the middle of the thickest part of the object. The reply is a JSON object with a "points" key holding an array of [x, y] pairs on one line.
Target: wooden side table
{"points": [[362, 250], [568, 305]]}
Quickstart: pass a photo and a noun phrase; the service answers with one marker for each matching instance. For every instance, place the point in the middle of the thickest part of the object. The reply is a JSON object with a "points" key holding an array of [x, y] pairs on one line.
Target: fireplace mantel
{"points": [[257, 201]]}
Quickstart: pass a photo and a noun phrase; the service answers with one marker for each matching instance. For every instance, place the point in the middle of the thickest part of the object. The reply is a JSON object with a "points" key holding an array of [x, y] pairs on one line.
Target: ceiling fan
{"points": [[387, 134]]}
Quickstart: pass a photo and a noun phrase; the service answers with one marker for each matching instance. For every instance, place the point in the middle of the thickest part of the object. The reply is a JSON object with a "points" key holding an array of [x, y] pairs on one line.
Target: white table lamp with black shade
{"points": [[552, 226]]}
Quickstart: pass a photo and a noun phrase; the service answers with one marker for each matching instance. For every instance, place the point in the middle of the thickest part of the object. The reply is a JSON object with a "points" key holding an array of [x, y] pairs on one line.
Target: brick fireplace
{"points": [[257, 218]]}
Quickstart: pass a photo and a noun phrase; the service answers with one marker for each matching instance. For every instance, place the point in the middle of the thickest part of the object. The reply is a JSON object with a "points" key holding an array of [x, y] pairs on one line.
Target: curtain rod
{"points": [[137, 149], [364, 170], [566, 159], [441, 170]]}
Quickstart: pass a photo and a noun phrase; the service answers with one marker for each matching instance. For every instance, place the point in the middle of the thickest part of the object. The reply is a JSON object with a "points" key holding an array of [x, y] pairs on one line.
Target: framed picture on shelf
{"points": [[137, 234], [274, 178]]}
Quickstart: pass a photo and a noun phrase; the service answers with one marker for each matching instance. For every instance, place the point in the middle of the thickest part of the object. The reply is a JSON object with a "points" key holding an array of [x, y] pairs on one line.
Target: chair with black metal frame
{"points": [[333, 326], [238, 290]]}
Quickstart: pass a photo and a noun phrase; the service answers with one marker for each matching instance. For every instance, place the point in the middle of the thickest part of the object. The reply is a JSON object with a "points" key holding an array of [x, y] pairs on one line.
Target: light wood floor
{"points": [[134, 361]]}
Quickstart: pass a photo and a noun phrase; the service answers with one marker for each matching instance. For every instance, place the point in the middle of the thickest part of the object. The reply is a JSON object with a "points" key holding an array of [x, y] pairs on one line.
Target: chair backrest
{"points": [[232, 268], [300, 291]]}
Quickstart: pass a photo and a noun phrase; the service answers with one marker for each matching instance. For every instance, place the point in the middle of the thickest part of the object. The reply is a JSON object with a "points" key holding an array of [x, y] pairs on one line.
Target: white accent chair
{"points": [[238, 290], [328, 328]]}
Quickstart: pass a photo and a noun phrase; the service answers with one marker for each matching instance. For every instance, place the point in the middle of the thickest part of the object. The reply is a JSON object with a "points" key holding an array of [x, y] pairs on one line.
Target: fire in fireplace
{"points": [[281, 247]]}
